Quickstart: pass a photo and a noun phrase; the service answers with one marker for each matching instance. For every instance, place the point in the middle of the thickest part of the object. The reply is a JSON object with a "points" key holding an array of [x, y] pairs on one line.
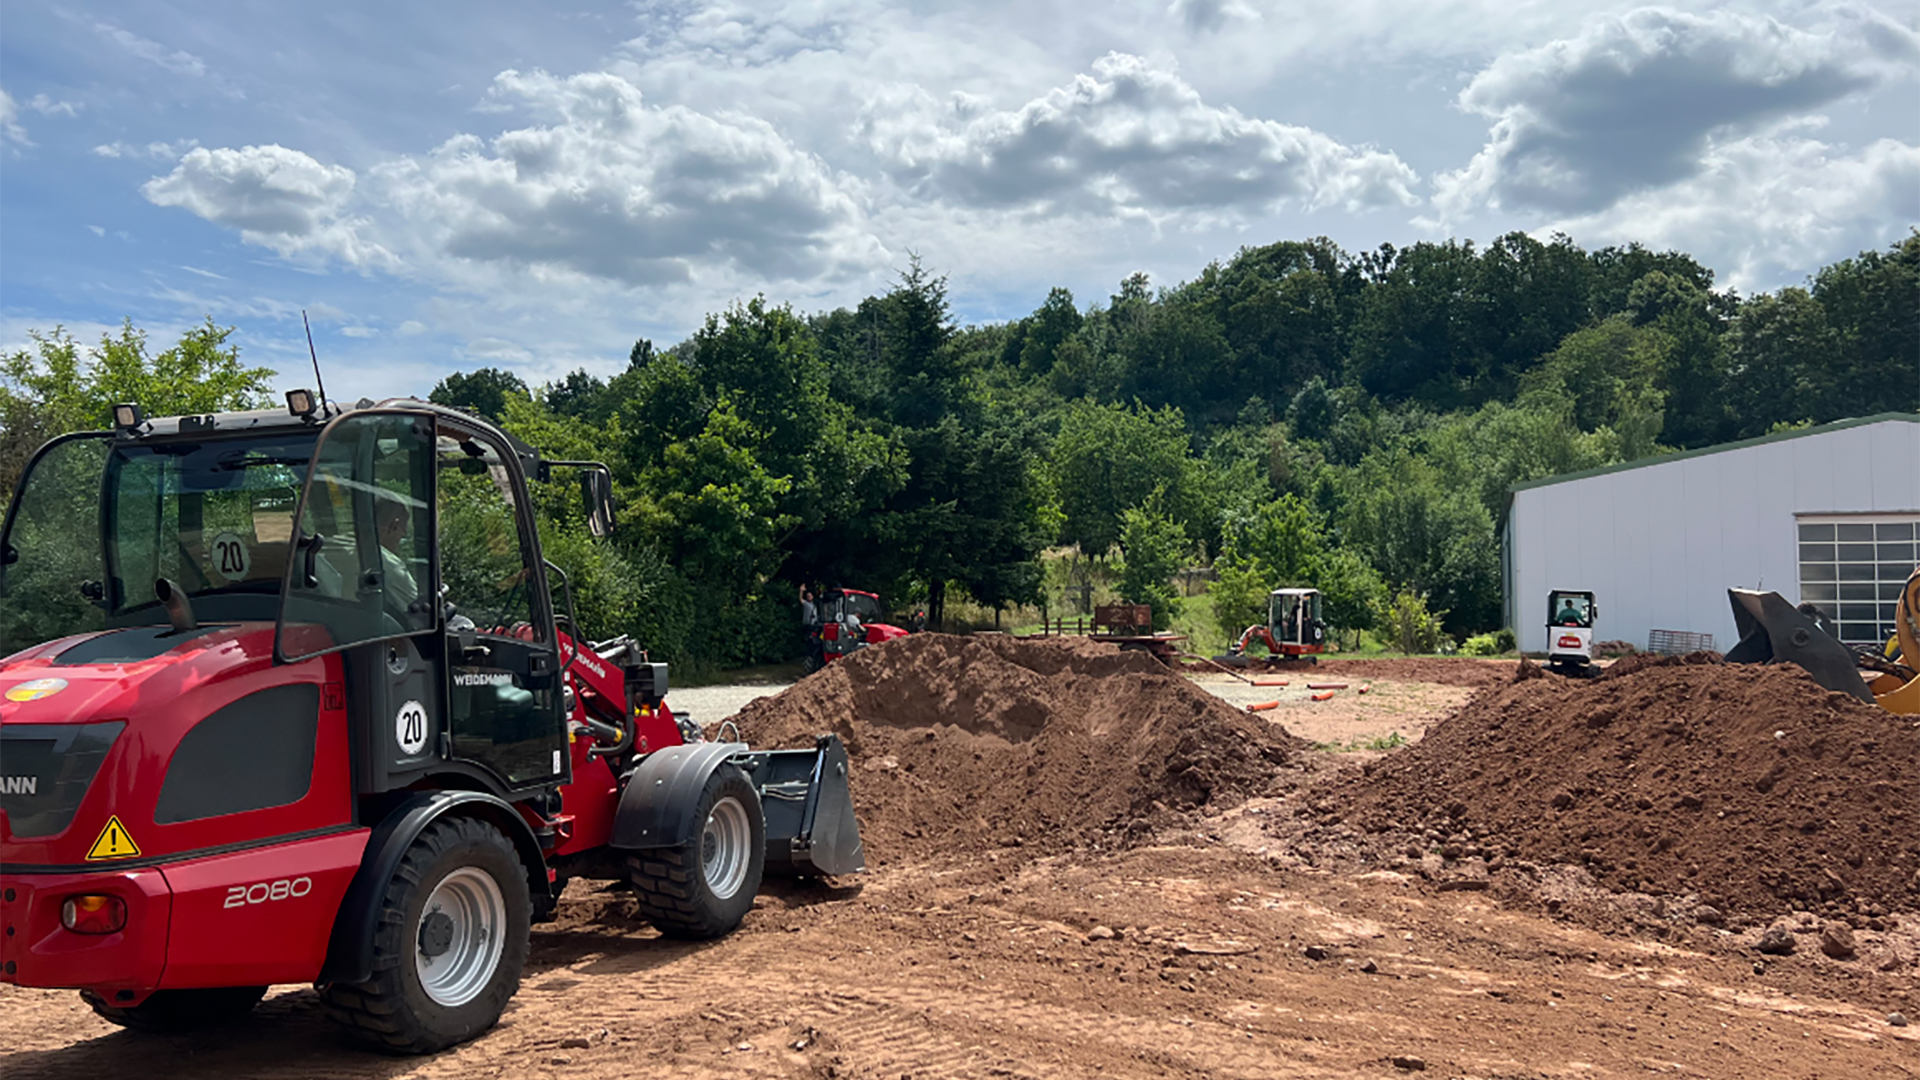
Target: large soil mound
{"points": [[1751, 786], [976, 742]]}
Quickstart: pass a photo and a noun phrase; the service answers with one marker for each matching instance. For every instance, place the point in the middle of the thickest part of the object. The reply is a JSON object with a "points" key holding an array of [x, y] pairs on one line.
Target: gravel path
{"points": [[708, 705]]}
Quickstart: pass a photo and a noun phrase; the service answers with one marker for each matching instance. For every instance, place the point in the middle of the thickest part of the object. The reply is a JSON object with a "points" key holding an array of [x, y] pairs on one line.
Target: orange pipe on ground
{"points": [[1263, 706], [1269, 682], [1326, 686], [1365, 687], [1323, 696]]}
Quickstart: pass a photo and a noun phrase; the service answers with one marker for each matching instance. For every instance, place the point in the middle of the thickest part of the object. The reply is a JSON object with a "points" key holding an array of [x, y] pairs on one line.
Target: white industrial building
{"points": [[1828, 515]]}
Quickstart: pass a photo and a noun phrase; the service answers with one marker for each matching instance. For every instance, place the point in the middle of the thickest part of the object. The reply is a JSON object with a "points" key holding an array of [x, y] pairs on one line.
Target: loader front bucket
{"points": [[811, 828], [1772, 629]]}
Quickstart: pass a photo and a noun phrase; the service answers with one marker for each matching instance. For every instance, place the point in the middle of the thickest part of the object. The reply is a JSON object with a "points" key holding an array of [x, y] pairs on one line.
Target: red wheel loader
{"points": [[286, 698], [848, 621]]}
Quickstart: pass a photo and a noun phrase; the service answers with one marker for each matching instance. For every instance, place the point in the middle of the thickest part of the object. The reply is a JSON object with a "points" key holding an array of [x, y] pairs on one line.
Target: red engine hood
{"points": [[37, 688], [159, 690]]}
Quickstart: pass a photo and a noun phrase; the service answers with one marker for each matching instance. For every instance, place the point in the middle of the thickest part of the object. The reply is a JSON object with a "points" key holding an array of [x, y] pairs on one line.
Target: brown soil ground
{"points": [[1752, 787], [1242, 928]]}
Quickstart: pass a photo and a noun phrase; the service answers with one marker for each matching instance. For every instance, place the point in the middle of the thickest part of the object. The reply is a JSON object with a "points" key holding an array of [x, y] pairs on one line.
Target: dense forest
{"points": [[1297, 414]]}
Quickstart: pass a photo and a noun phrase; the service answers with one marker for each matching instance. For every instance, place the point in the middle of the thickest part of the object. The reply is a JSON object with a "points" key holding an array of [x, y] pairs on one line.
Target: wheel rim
{"points": [[460, 937], [724, 844]]}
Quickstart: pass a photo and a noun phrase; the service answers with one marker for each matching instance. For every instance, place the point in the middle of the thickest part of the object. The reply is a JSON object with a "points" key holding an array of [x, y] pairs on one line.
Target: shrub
{"points": [[1498, 643], [1412, 627]]}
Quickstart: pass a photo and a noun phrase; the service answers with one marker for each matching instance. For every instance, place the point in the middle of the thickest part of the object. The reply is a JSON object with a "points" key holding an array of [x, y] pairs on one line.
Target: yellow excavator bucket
{"points": [[1774, 631], [1889, 691]]}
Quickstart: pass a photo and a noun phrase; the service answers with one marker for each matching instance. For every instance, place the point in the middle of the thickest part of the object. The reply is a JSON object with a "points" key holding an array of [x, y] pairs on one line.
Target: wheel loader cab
{"points": [[417, 560]]}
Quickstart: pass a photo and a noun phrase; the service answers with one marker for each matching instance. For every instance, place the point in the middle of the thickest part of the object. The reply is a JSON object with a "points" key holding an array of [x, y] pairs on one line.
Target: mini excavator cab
{"points": [[1570, 616], [1293, 618]]}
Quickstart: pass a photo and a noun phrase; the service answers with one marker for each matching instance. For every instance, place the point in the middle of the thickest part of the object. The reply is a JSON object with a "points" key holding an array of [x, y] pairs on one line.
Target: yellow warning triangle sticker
{"points": [[114, 843]]}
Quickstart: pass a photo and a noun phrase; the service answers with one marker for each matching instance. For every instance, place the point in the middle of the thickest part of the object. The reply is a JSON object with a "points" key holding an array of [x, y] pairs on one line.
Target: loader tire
{"points": [[703, 887], [450, 945], [170, 1012]]}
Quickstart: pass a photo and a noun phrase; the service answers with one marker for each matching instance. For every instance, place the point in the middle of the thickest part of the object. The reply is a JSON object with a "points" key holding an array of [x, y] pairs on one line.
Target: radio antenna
{"points": [[319, 383]]}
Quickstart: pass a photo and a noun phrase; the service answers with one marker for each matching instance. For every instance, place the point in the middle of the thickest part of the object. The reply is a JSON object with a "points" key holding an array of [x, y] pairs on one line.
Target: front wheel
{"points": [[170, 1012], [703, 887], [452, 939]]}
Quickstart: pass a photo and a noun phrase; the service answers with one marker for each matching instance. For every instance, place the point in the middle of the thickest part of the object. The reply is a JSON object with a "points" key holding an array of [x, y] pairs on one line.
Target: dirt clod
{"points": [[1836, 940], [1776, 941]]}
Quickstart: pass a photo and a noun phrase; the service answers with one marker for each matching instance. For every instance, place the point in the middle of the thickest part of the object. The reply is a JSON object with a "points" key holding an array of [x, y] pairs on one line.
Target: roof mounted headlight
{"points": [[301, 403], [128, 417]]}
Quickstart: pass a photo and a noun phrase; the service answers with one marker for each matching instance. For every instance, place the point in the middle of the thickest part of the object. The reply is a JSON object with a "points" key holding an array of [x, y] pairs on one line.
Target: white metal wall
{"points": [[1661, 544]]}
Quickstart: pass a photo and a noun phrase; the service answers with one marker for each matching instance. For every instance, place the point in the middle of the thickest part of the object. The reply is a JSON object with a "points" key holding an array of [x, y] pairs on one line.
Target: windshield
{"points": [[96, 524], [213, 517], [1571, 609]]}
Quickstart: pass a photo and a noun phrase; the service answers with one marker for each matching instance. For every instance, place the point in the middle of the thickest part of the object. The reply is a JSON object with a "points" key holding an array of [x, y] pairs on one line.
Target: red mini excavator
{"points": [[286, 698], [1293, 631]]}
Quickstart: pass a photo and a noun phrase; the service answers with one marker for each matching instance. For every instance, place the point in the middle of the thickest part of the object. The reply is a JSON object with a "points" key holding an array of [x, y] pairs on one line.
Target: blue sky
{"points": [[444, 186]]}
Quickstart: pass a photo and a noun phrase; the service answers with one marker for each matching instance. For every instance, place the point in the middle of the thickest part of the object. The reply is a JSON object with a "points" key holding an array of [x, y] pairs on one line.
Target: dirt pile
{"points": [[976, 742], [1750, 786]]}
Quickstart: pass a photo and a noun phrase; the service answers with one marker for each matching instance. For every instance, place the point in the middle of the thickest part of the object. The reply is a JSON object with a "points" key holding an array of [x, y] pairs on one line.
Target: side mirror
{"points": [[596, 497]]}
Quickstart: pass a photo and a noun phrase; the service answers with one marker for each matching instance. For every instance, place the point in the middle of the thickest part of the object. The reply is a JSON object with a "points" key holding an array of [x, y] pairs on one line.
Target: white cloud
{"points": [[1770, 208], [97, 230], [158, 151], [47, 106], [359, 331], [10, 129], [412, 328], [1129, 138], [1635, 102], [177, 61], [1208, 16], [611, 187], [497, 350], [276, 197]]}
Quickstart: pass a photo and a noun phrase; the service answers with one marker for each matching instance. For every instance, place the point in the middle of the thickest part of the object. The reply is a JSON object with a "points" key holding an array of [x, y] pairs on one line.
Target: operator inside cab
{"points": [[391, 520], [1569, 615]]}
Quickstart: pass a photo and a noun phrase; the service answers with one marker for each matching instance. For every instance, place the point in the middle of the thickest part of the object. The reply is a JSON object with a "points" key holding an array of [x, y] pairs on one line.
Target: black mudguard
{"points": [[1772, 629], [804, 800], [350, 949], [658, 801]]}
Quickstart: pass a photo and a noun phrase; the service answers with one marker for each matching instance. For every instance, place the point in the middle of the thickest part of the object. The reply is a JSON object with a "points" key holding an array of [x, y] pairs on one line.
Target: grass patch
{"points": [[1390, 741]]}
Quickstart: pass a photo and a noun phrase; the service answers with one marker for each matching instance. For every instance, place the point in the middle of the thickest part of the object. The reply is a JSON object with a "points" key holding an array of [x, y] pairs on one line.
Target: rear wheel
{"points": [[167, 1012], [452, 940], [702, 888]]}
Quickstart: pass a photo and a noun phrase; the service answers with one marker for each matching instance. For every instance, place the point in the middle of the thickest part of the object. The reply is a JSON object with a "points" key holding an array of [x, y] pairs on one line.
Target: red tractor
{"points": [[848, 621], [1294, 630], [286, 698]]}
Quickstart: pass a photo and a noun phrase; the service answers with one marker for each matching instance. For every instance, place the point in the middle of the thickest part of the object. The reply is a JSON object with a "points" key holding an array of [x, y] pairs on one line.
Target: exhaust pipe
{"points": [[179, 612]]}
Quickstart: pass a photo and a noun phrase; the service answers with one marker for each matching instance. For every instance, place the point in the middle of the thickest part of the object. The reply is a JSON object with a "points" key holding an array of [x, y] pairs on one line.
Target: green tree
{"points": [[1154, 548], [1108, 458], [1870, 304], [1282, 544], [1782, 360], [1051, 325], [53, 388], [483, 391]]}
